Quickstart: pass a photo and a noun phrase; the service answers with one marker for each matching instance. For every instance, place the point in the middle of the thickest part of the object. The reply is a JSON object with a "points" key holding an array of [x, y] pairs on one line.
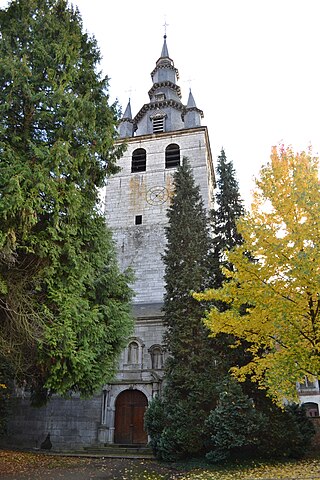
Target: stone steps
{"points": [[119, 451]]}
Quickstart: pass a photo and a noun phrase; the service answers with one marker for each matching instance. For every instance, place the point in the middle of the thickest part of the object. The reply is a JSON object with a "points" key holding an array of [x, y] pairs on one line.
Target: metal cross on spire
{"points": [[130, 90], [165, 25]]}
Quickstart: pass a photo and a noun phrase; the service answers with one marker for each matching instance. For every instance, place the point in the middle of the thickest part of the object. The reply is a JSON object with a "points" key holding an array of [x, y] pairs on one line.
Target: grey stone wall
{"points": [[72, 423]]}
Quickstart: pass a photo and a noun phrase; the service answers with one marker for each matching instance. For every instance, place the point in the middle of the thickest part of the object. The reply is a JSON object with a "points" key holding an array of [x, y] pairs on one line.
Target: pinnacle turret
{"points": [[191, 103], [126, 123], [193, 115], [127, 114]]}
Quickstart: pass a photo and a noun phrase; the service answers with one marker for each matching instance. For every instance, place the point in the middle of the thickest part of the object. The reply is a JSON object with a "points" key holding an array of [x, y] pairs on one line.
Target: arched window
{"points": [[139, 160], [172, 155], [312, 409]]}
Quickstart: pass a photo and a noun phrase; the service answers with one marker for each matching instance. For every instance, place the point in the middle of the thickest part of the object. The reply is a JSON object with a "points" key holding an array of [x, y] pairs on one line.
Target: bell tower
{"points": [[162, 132], [157, 138]]}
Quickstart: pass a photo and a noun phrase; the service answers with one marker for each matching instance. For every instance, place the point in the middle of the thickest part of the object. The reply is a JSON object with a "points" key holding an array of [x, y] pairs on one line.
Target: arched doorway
{"points": [[130, 408]]}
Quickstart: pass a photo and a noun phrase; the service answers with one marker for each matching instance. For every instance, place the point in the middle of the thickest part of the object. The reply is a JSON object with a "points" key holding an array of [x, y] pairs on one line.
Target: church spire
{"points": [[164, 51], [165, 111], [164, 58], [191, 102]]}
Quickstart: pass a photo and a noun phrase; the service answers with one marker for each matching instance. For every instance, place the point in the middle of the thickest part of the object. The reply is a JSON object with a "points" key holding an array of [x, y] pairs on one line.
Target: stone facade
{"points": [[140, 246], [140, 366]]}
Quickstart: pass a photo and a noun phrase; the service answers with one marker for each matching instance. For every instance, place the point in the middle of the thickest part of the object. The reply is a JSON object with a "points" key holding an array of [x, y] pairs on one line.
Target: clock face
{"points": [[157, 195]]}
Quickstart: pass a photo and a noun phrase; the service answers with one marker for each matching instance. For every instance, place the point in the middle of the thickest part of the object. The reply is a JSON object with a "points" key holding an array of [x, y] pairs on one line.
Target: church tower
{"points": [[163, 132]]}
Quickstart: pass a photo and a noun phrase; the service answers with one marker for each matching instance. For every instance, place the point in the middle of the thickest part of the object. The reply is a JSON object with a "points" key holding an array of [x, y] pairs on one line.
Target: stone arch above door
{"points": [[130, 407]]}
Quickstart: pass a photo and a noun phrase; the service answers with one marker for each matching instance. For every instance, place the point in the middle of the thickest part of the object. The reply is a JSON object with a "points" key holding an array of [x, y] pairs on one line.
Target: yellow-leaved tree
{"points": [[272, 292]]}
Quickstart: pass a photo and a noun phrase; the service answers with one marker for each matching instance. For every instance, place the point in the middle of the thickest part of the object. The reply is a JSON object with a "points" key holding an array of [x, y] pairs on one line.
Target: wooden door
{"points": [[130, 408]]}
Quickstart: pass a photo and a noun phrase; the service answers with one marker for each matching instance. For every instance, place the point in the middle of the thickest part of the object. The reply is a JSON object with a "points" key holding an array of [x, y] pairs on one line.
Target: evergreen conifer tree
{"points": [[64, 312], [227, 210], [187, 264], [191, 370]]}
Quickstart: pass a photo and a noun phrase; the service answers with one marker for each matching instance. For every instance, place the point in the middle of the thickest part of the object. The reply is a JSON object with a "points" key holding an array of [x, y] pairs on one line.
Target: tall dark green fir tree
{"points": [[187, 265], [228, 208], [64, 313], [191, 369]]}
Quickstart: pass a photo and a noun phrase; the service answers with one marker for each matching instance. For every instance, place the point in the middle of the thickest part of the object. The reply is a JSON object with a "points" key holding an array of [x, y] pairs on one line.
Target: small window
{"points": [[308, 385], [139, 160], [172, 156], [160, 97], [138, 220]]}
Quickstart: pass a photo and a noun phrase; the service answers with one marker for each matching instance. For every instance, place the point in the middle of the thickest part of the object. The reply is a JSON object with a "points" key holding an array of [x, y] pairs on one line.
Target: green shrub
{"points": [[234, 425], [176, 429], [155, 422], [287, 433], [241, 428]]}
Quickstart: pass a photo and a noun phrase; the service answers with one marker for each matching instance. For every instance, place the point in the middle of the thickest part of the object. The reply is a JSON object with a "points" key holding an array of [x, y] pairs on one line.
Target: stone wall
{"points": [[72, 423]]}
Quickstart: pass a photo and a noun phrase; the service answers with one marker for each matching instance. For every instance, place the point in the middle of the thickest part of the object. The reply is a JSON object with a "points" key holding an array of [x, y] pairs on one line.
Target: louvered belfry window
{"points": [[158, 124], [172, 155], [139, 160]]}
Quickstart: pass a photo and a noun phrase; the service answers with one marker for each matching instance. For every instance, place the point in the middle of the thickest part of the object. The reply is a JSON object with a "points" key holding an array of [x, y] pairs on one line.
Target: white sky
{"points": [[253, 67]]}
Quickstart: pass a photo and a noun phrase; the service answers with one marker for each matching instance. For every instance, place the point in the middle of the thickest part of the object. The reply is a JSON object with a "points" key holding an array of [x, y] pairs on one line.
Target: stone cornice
{"points": [[194, 109], [167, 66], [171, 85], [126, 119]]}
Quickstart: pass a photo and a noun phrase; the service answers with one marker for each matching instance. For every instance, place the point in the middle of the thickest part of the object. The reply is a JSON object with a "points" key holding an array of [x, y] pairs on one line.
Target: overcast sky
{"points": [[252, 65]]}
